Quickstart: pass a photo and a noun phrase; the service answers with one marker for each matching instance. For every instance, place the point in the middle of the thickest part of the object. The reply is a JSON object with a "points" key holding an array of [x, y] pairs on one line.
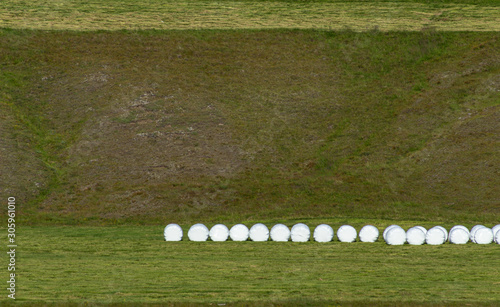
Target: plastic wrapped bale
{"points": [[387, 230], [395, 236], [173, 232], [444, 230], [259, 233], [300, 233], [323, 233], [459, 227], [415, 236], [495, 228], [435, 236], [368, 233], [497, 236], [219, 233], [483, 235], [422, 228], [280, 233], [347, 233], [198, 233], [458, 235], [473, 232], [239, 232]]}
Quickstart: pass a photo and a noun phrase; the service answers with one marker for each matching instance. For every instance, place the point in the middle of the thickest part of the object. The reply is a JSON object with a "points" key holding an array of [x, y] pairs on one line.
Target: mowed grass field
{"points": [[201, 14], [341, 112], [116, 265]]}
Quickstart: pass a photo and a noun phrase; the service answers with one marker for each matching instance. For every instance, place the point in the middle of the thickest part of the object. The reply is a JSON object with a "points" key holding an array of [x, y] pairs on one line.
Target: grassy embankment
{"points": [[153, 127]]}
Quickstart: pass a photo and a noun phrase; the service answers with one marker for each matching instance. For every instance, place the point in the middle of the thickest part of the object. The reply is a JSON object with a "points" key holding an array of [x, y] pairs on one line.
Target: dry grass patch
{"points": [[155, 14]]}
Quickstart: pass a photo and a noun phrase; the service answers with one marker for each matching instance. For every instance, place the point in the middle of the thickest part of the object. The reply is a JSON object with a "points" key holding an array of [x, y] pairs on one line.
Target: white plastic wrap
{"points": [[259, 232], [323, 233], [435, 236], [458, 227], [347, 233], [198, 233], [459, 235], [219, 233], [495, 228], [444, 230], [473, 232], [497, 236], [395, 236], [387, 230], [483, 235], [415, 236], [280, 233], [300, 233], [422, 228], [368, 233], [173, 232], [239, 232]]}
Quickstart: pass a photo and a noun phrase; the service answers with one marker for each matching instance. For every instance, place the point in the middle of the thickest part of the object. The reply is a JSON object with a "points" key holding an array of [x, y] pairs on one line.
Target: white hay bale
{"points": [[483, 235], [280, 233], [459, 235], [422, 228], [395, 236], [387, 230], [347, 233], [198, 233], [368, 233], [259, 232], [300, 233], [435, 236], [495, 229], [415, 236], [323, 233], [173, 232], [459, 227], [497, 236], [239, 232], [473, 232], [444, 230], [219, 233]]}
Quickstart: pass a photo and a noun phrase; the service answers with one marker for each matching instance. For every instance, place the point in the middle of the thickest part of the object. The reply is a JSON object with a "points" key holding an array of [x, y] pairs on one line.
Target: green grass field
{"points": [[134, 265], [119, 117]]}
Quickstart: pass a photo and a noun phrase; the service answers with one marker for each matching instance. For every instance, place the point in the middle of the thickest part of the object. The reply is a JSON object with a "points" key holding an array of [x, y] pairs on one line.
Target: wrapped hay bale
{"points": [[198, 233], [459, 227], [239, 232], [259, 232], [415, 236], [347, 233], [497, 236], [422, 228], [219, 233], [173, 232], [445, 232], [368, 233], [483, 235], [280, 233], [473, 232], [300, 233], [435, 236], [458, 235], [495, 229], [323, 233], [387, 230], [395, 235]]}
